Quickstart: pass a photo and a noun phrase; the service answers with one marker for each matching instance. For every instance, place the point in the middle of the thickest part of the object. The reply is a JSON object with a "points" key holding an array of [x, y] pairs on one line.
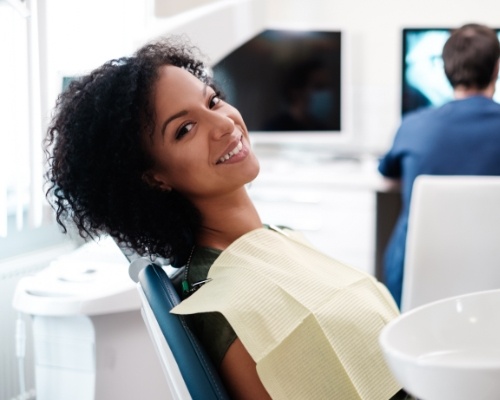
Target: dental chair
{"points": [[453, 240], [189, 372]]}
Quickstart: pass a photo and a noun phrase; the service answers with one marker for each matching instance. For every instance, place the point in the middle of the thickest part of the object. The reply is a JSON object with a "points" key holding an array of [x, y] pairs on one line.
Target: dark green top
{"points": [[212, 329]]}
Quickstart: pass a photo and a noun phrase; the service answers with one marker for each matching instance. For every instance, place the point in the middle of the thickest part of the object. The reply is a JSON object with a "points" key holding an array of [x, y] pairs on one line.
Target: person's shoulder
{"points": [[414, 120], [419, 114], [482, 101], [472, 102], [470, 108]]}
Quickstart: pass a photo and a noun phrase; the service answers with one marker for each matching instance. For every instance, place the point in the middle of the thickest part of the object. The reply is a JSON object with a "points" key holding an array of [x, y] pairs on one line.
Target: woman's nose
{"points": [[220, 124]]}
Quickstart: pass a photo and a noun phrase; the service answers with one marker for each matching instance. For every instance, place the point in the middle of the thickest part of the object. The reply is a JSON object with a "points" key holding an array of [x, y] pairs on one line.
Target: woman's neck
{"points": [[225, 220]]}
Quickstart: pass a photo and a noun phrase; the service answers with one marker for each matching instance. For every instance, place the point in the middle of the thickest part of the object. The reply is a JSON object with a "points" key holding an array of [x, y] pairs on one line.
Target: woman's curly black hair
{"points": [[96, 157]]}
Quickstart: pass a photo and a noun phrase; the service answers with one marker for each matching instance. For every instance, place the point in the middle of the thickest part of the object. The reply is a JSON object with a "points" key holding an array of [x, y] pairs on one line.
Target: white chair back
{"points": [[453, 240]]}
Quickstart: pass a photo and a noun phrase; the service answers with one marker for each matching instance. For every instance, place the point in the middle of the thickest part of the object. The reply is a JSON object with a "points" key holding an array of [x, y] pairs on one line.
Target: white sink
{"points": [[448, 349]]}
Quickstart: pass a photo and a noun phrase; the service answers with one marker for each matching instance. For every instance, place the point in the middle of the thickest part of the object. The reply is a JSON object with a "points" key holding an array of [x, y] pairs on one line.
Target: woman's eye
{"points": [[183, 130], [214, 100]]}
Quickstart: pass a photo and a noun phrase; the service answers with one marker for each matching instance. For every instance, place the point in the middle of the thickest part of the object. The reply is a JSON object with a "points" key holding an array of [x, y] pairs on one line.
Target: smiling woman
{"points": [[200, 137], [145, 149]]}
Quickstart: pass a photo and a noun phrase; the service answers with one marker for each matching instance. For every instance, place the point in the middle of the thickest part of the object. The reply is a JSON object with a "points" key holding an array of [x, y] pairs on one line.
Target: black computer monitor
{"points": [[277, 74]]}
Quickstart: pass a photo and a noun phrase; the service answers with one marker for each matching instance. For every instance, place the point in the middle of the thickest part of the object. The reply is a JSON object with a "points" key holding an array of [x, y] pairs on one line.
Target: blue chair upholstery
{"points": [[199, 374]]}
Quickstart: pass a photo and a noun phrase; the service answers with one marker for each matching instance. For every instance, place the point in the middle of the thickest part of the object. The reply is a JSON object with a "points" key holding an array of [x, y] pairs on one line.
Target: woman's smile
{"points": [[238, 153]]}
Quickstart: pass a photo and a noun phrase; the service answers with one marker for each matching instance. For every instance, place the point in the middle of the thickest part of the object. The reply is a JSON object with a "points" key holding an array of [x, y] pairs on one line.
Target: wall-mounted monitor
{"points": [[424, 82], [288, 85]]}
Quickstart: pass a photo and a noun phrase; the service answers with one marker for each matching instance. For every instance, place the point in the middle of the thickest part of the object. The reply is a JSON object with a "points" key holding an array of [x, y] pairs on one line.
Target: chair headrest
{"points": [[136, 267]]}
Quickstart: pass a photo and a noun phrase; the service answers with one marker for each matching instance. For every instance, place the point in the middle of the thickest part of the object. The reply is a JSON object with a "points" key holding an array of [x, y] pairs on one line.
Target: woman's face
{"points": [[200, 146]]}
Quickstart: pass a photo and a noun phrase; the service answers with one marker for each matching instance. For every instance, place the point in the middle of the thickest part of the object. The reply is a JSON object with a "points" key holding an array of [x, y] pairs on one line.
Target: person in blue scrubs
{"points": [[461, 137]]}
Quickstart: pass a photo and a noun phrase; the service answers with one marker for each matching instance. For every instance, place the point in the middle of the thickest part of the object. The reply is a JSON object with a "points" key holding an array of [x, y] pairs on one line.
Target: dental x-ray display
{"points": [[424, 81]]}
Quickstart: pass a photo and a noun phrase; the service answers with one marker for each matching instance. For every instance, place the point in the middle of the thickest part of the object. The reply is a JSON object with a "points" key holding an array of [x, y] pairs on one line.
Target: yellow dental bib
{"points": [[310, 323]]}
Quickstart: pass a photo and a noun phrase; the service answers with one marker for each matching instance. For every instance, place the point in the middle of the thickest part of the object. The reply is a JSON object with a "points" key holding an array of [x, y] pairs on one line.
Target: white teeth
{"points": [[233, 152]]}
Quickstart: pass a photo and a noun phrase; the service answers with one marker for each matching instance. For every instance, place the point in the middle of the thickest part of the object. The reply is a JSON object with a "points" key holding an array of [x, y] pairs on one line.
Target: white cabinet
{"points": [[338, 216]]}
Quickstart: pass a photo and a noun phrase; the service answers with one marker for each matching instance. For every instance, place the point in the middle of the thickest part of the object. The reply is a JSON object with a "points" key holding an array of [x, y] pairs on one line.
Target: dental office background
{"points": [[43, 42]]}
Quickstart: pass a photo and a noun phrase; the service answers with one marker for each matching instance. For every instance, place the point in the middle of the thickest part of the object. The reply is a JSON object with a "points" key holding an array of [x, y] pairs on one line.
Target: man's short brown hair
{"points": [[471, 55]]}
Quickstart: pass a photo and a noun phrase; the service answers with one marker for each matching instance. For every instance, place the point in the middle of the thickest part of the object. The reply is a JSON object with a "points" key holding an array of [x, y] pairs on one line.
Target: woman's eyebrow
{"points": [[181, 113], [170, 119]]}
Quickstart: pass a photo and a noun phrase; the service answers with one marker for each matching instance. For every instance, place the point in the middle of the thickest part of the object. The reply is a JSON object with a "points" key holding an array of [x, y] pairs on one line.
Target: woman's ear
{"points": [[154, 180]]}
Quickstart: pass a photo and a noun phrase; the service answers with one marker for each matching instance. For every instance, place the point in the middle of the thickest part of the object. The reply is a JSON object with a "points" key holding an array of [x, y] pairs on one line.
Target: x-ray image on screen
{"points": [[424, 81]]}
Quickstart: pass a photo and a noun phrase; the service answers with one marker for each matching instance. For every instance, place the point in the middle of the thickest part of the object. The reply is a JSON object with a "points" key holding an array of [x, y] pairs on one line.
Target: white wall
{"points": [[216, 28], [374, 30], [80, 36]]}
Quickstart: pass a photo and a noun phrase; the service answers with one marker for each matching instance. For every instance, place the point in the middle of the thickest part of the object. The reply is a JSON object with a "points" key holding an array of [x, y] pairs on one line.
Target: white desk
{"points": [[309, 195]]}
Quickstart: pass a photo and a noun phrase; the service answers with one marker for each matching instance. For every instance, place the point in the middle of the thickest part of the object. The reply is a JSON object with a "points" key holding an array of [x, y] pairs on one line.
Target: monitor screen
{"points": [[424, 82], [285, 81]]}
